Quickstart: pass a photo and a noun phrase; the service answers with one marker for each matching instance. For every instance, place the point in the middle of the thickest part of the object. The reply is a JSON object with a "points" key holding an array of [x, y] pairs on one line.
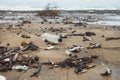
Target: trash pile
{"points": [[80, 65], [16, 58]]}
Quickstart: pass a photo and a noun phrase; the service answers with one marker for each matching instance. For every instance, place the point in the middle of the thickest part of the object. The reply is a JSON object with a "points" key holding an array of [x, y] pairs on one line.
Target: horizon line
{"points": [[60, 9]]}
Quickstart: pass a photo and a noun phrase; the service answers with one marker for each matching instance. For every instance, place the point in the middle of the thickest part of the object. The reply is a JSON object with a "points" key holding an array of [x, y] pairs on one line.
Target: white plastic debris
{"points": [[49, 47], [75, 48], [24, 68], [51, 38], [2, 77], [108, 70], [94, 45], [83, 71], [7, 60], [67, 52]]}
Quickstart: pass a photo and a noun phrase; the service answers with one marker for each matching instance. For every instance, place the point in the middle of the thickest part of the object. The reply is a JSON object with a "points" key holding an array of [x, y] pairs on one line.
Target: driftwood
{"points": [[90, 34], [12, 50], [112, 38], [36, 73]]}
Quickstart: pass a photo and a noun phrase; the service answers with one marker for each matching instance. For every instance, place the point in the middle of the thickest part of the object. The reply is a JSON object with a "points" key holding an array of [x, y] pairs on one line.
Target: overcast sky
{"points": [[62, 4]]}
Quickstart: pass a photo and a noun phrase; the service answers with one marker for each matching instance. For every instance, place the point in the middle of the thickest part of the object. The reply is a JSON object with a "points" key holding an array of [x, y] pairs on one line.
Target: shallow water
{"points": [[108, 19], [113, 17], [10, 21], [111, 23]]}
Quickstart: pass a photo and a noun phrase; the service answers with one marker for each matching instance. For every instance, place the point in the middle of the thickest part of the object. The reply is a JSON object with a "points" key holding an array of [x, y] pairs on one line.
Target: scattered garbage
{"points": [[5, 68], [112, 38], [16, 59], [29, 46], [86, 39], [12, 50], [90, 34], [11, 62], [20, 68], [52, 39], [84, 34], [25, 36], [36, 73], [80, 65], [2, 50], [107, 72], [20, 57], [94, 45], [64, 35], [7, 60], [74, 48], [67, 52], [79, 34], [11, 26], [49, 47]]}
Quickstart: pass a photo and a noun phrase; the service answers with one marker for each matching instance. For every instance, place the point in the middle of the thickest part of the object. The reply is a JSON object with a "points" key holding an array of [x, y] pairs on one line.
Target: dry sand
{"points": [[109, 53]]}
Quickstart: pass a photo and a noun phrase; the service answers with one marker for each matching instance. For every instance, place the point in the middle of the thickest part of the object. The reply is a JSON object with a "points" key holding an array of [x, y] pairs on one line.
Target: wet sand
{"points": [[109, 53]]}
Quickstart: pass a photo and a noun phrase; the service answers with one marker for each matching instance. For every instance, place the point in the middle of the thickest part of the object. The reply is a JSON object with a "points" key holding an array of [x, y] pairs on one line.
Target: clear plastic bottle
{"points": [[51, 38]]}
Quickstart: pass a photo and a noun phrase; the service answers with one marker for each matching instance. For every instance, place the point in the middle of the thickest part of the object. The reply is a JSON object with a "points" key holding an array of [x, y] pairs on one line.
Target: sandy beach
{"points": [[109, 53]]}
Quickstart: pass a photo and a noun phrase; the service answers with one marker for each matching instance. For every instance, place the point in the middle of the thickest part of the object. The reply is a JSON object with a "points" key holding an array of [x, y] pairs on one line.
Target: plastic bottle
{"points": [[51, 38]]}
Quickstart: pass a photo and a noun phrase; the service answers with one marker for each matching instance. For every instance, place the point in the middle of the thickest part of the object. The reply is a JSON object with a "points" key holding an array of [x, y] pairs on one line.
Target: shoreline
{"points": [[109, 52]]}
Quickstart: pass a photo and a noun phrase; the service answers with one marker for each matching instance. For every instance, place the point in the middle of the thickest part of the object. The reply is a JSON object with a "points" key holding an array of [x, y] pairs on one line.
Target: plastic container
{"points": [[51, 38]]}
